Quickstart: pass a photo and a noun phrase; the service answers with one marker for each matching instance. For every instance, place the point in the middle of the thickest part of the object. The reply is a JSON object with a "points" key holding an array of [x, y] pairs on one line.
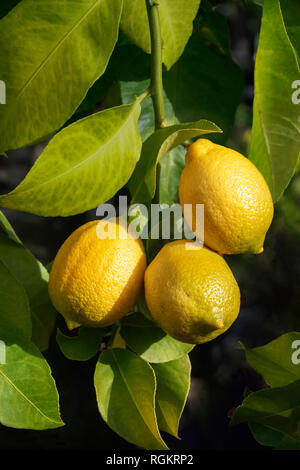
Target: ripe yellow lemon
{"points": [[238, 207], [191, 292], [96, 281]]}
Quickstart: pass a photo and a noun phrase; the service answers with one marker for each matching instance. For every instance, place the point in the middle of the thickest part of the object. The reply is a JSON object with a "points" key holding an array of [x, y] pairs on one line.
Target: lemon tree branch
{"points": [[156, 85]]}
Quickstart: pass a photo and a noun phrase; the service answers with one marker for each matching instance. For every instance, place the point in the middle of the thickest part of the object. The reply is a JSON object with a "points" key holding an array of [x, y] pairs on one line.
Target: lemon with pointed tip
{"points": [[191, 292], [97, 274], [238, 206]]}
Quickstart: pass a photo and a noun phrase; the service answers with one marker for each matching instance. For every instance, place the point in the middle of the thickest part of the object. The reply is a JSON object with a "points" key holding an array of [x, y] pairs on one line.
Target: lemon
{"points": [[238, 207], [191, 292], [96, 281]]}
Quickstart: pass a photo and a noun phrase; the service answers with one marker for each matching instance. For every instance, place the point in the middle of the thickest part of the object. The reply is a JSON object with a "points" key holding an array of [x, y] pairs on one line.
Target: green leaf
{"points": [[51, 53], [172, 165], [125, 387], [84, 165], [176, 22], [130, 90], [214, 31], [276, 133], [277, 408], [149, 341], [28, 271], [291, 16], [274, 361], [173, 384], [28, 394], [83, 346], [205, 84], [142, 184], [268, 437], [14, 307], [29, 398]]}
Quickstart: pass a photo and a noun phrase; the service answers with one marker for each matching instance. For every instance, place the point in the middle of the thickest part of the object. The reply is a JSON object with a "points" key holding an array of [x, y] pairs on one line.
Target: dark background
{"points": [[269, 285]]}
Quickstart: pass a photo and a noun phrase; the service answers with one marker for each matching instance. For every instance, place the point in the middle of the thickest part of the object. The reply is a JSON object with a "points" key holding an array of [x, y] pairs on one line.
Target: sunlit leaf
{"points": [[277, 361], [29, 398], [28, 394], [51, 53], [142, 184], [83, 166], [275, 140], [149, 341], [125, 387], [173, 384]]}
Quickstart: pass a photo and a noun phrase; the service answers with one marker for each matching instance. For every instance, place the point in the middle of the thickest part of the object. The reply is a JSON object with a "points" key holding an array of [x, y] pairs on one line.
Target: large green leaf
{"points": [[277, 408], [149, 341], [27, 270], [173, 384], [84, 165], [28, 394], [83, 346], [142, 184], [29, 398], [51, 52], [176, 20], [14, 307], [275, 140], [205, 84], [125, 387], [274, 361]]}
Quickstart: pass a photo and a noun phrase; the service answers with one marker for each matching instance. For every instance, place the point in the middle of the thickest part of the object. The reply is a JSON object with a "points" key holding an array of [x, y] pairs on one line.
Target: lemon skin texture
{"points": [[191, 292], [238, 206], [95, 281]]}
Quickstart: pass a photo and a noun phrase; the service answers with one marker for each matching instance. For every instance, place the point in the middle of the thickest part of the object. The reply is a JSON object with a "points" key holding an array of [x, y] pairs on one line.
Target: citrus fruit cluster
{"points": [[190, 290]]}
